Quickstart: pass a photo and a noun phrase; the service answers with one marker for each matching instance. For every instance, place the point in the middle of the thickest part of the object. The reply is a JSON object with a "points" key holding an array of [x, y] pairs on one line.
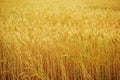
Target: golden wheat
{"points": [[59, 40]]}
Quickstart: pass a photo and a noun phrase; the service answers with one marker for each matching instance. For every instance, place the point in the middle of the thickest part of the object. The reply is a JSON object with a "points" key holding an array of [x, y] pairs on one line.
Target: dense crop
{"points": [[59, 40]]}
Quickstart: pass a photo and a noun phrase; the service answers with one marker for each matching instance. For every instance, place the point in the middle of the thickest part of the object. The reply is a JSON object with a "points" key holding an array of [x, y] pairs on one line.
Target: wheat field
{"points": [[60, 40]]}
